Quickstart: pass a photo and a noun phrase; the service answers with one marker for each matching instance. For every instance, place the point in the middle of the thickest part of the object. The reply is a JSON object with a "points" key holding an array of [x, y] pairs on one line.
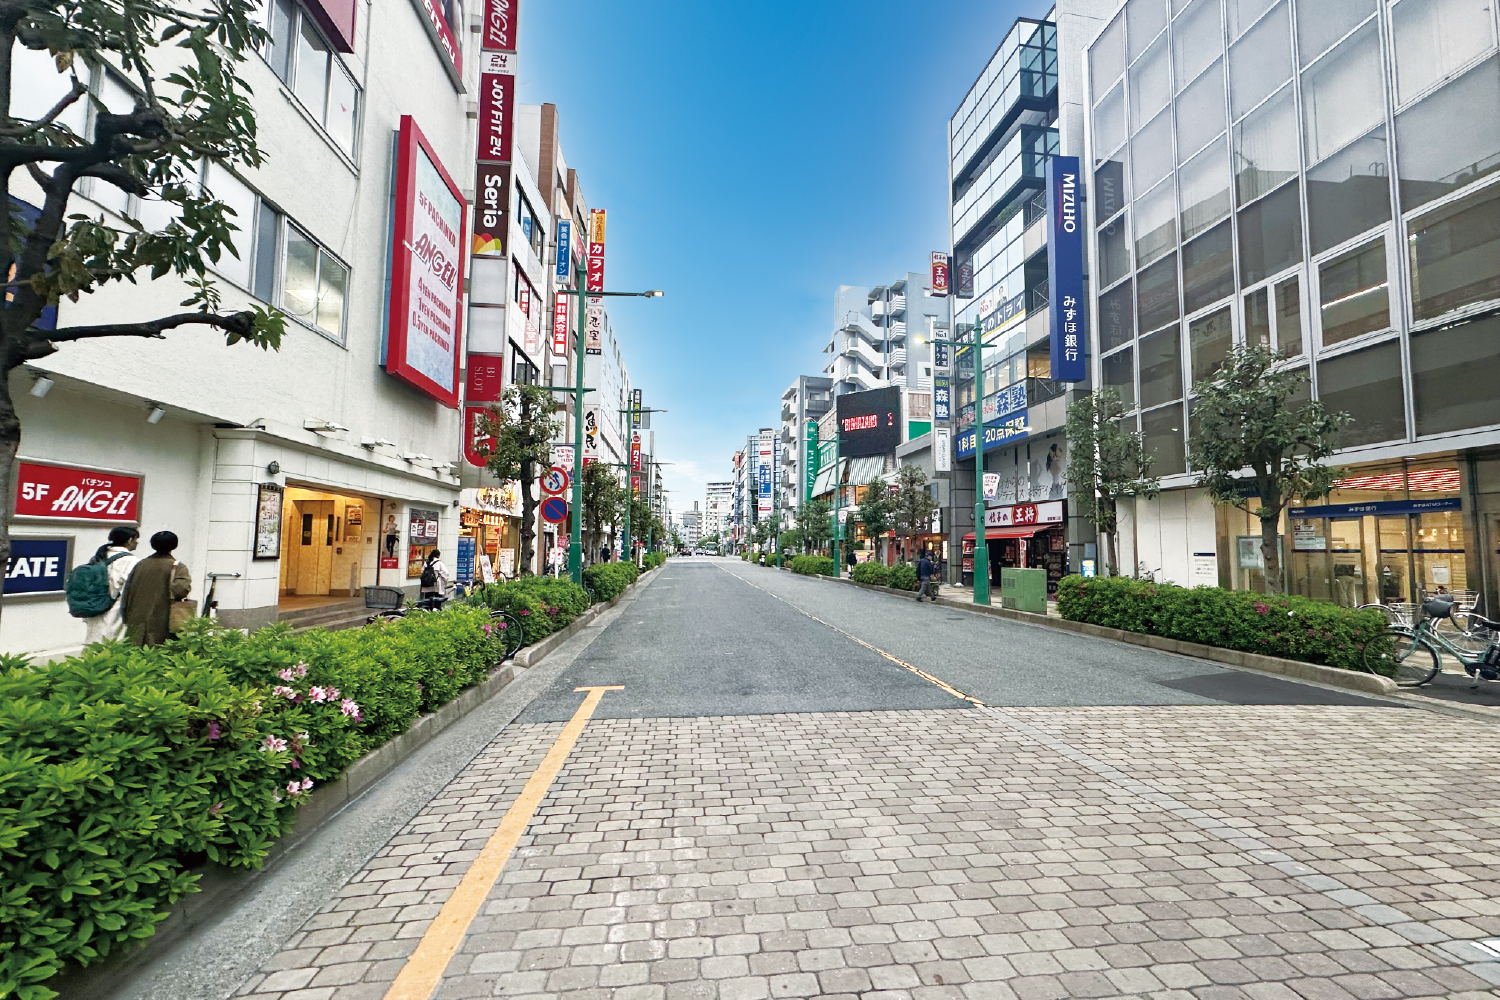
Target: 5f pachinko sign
{"points": [[427, 274]]}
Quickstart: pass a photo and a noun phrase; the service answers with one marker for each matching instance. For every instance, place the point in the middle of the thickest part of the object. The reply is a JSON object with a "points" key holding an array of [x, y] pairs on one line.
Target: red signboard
{"points": [[497, 107], [427, 271], [77, 494], [439, 22], [491, 197], [560, 310], [596, 251], [499, 25], [635, 453], [635, 484], [939, 273], [486, 378], [477, 444]]}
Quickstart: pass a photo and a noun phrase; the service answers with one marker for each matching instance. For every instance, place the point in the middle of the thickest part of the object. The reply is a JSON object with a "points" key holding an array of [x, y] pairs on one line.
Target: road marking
{"points": [[929, 678], [424, 969]]}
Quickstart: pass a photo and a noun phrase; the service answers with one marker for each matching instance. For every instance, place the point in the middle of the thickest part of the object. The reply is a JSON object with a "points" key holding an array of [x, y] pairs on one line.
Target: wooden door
{"points": [[317, 531]]}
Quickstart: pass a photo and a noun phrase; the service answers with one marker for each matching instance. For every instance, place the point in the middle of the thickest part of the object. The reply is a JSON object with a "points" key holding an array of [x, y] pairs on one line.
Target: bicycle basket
{"points": [[384, 598], [1437, 607]]}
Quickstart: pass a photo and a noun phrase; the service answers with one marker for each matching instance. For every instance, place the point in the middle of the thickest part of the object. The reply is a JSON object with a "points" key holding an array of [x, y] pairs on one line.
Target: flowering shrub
{"points": [[124, 768], [1295, 628], [543, 604], [812, 565]]}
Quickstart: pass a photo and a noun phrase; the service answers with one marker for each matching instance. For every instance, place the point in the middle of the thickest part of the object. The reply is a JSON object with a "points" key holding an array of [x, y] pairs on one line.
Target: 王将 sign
{"points": [[939, 274]]}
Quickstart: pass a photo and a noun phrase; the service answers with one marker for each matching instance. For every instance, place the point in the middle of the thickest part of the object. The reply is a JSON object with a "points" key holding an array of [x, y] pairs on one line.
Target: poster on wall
{"points": [[427, 281], [268, 521], [390, 542], [421, 537]]}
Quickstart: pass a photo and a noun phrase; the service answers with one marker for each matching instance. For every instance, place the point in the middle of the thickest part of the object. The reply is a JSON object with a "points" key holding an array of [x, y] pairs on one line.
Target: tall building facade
{"points": [[1317, 178], [806, 399]]}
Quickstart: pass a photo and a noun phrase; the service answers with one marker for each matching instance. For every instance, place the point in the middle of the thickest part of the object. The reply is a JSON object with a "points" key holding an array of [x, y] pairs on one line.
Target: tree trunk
{"points": [[10, 443], [1270, 551], [528, 517]]}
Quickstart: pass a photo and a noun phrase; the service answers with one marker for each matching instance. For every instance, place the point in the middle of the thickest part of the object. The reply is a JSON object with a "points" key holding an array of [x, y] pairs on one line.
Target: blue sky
{"points": [[752, 157]]}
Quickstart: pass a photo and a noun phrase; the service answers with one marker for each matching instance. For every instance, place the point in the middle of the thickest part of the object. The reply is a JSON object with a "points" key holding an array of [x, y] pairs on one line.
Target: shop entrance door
{"points": [[1395, 560], [1346, 553], [314, 551]]}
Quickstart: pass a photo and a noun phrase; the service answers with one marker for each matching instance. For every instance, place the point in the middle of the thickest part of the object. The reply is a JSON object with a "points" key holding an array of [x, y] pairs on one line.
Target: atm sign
{"points": [[76, 494]]}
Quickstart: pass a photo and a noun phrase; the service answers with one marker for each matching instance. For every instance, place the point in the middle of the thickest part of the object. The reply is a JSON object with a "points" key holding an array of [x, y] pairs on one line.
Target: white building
{"points": [[308, 472]]}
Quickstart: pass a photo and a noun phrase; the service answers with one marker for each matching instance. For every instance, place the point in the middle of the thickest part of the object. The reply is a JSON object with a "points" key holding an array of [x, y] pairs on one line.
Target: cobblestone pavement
{"points": [[1172, 852]]}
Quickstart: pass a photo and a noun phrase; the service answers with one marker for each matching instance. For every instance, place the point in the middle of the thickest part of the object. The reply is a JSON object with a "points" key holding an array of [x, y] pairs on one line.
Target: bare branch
{"points": [[73, 94], [241, 323], [116, 175]]}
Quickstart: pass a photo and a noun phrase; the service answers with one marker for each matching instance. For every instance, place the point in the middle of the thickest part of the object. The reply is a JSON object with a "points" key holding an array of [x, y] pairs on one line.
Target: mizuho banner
{"points": [[1065, 268]]}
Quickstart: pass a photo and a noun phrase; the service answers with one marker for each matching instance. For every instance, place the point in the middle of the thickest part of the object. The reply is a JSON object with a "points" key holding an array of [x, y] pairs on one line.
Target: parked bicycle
{"points": [[390, 604], [1414, 654]]}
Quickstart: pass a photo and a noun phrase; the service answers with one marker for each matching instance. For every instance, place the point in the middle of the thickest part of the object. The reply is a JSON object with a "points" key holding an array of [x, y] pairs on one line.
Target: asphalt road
{"points": [[719, 637]]}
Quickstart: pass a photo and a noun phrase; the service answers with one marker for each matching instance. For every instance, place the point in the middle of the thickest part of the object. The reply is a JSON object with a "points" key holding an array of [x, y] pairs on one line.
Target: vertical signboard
{"points": [[812, 461], [427, 281], [942, 449], [635, 409], [766, 462], [939, 274], [478, 445], [942, 398], [561, 311], [1065, 269], [486, 378], [564, 246], [594, 261], [965, 286]]}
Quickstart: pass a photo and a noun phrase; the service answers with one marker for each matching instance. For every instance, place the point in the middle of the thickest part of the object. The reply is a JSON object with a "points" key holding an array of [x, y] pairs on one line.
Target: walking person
{"points": [[926, 585], [94, 590], [435, 579], [157, 585], [850, 560]]}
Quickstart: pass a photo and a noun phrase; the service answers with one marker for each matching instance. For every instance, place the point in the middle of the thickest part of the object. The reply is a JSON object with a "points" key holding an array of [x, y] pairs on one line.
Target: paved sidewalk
{"points": [[1204, 852]]}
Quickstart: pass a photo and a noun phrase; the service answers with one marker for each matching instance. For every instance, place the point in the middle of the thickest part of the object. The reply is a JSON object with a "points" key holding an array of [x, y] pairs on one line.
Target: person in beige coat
{"points": [[154, 585], [119, 553]]}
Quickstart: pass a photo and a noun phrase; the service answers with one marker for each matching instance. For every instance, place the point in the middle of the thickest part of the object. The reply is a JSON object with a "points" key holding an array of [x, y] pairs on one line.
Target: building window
{"points": [[1258, 318], [1367, 385], [1349, 193], [1319, 25], [1150, 86], [1454, 373], [1270, 235], [1162, 430], [1155, 223], [1109, 190], [1151, 153], [1265, 148], [1109, 121], [1209, 340], [1144, 20], [1119, 375], [1243, 14], [1156, 303], [1343, 94], [1433, 157], [1208, 268], [1200, 112], [1107, 56], [1205, 190], [531, 225], [305, 62], [1114, 250], [311, 274], [1197, 40], [1116, 317], [1435, 38], [1161, 368], [522, 371], [1289, 317], [1353, 293], [1455, 254], [1260, 61], [314, 285]]}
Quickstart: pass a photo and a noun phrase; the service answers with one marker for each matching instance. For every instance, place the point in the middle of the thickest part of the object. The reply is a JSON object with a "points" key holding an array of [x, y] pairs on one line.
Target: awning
{"points": [[1013, 532], [825, 480], [865, 468]]}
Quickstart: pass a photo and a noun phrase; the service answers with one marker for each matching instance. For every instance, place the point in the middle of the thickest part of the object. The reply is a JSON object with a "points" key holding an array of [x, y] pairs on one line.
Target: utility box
{"points": [[1024, 590]]}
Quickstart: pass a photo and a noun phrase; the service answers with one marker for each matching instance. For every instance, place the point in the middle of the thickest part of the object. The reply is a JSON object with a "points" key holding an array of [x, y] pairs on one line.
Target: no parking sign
{"points": [[554, 510]]}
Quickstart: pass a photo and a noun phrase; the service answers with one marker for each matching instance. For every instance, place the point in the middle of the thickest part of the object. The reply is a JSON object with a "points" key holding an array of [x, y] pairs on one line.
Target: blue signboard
{"points": [[942, 398], [1378, 507], [1005, 403], [995, 435], [564, 246], [37, 566], [1065, 269], [464, 565], [940, 356], [1004, 312], [764, 471]]}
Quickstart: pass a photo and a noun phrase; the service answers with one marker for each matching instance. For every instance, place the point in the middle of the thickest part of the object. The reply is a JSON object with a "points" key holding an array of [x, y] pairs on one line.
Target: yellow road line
{"points": [[955, 692], [424, 969]]}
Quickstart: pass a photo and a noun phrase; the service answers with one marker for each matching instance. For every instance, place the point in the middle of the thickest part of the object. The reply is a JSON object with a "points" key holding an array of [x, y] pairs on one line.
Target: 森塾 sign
{"points": [[76, 494], [427, 285]]}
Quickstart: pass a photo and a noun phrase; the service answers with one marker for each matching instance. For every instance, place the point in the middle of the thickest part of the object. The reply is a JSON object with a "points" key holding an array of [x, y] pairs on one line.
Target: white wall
{"points": [[1161, 536]]}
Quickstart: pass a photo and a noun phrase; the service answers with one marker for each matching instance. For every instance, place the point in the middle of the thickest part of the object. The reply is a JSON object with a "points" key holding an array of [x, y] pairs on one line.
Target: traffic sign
{"points": [[554, 510], [556, 480]]}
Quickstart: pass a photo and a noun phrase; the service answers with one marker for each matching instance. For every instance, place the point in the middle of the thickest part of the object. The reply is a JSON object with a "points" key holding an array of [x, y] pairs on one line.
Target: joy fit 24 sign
{"points": [[1065, 268], [427, 272], [71, 493]]}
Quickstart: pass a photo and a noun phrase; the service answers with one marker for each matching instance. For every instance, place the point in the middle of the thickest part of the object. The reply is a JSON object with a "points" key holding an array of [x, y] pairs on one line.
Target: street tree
{"points": [[196, 109], [603, 505], [1259, 443], [875, 509], [520, 432], [912, 505], [1108, 460], [814, 524]]}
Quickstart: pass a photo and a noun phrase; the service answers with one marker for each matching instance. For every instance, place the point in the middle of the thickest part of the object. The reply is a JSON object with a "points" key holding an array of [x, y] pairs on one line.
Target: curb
{"points": [[1294, 669], [220, 885]]}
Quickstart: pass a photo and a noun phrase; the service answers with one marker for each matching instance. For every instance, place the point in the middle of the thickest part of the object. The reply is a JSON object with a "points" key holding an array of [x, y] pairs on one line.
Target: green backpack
{"points": [[88, 588]]}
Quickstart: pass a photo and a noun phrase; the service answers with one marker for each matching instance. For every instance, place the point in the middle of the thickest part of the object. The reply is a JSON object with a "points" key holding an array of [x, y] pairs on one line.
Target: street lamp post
{"points": [[838, 498], [575, 544], [981, 550]]}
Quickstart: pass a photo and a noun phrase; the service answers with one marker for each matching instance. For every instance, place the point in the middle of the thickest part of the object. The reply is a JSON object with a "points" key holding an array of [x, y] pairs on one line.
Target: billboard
{"points": [[1065, 269], [939, 274], [869, 422], [427, 279]]}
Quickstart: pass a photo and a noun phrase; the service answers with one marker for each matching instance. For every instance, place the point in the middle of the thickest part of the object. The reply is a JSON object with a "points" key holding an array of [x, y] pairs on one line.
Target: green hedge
{"points": [[543, 603], [870, 572], [654, 559], [812, 565], [609, 580], [903, 577], [125, 768], [1296, 628]]}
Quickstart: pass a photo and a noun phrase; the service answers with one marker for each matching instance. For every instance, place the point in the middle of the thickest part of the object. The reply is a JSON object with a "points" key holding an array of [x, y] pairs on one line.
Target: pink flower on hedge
{"points": [[307, 784], [273, 744], [286, 674], [348, 707], [301, 669], [1262, 607], [294, 787], [525, 611], [487, 630], [317, 695], [215, 809], [294, 764], [214, 731], [283, 691], [332, 693]]}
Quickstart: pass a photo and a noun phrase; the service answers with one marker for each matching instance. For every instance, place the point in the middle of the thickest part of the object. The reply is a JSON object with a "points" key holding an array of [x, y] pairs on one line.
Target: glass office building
{"points": [[1321, 176]]}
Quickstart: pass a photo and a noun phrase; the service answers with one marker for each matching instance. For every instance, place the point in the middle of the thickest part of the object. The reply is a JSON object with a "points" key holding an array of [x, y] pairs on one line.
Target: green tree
{"points": [[1107, 460], [521, 430], [876, 511], [603, 505], [814, 523], [200, 110], [1255, 427], [912, 506]]}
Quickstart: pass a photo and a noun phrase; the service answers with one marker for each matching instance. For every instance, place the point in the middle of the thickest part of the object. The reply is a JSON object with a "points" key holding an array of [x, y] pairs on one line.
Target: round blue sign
{"points": [[554, 510]]}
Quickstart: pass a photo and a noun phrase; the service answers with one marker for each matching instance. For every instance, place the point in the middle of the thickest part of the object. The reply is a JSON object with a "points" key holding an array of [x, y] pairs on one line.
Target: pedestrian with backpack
{"points": [[435, 579], [94, 588]]}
